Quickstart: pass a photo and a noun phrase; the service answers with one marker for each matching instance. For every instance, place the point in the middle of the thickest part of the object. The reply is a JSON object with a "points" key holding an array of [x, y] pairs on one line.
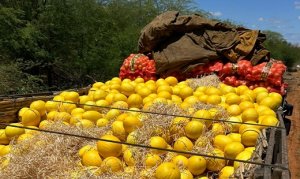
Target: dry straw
{"points": [[153, 125], [209, 80], [48, 155]]}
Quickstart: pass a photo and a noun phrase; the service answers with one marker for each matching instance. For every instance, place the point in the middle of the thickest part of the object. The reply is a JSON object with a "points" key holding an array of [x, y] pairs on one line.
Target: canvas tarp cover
{"points": [[179, 42]]}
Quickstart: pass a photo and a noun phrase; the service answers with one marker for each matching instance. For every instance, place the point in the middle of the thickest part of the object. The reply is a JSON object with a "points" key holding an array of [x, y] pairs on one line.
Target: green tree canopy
{"points": [[60, 44], [281, 49]]}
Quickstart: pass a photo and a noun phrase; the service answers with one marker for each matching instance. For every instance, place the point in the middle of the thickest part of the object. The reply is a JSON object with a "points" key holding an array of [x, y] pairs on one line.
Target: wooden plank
{"points": [[284, 155], [269, 154], [11, 104], [280, 155], [8, 113], [8, 119]]}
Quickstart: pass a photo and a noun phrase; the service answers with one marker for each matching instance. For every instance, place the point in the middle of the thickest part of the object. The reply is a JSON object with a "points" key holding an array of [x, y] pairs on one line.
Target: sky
{"points": [[281, 16]]}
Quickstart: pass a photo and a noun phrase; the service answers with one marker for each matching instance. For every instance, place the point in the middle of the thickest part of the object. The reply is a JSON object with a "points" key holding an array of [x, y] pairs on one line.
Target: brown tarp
{"points": [[179, 42]]}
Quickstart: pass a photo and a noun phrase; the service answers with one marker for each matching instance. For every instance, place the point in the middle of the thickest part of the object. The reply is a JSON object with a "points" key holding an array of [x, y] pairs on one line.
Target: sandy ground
{"points": [[294, 137]]}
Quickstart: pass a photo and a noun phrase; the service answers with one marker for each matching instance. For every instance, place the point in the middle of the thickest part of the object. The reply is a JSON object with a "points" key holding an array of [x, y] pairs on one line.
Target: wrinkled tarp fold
{"points": [[179, 42]]}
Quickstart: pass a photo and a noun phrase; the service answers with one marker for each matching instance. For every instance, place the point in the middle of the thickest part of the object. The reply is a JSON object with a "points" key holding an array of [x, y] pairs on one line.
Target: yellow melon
{"points": [[31, 117], [111, 164], [107, 149], [183, 144], [197, 165], [167, 170], [38, 105], [152, 160]]}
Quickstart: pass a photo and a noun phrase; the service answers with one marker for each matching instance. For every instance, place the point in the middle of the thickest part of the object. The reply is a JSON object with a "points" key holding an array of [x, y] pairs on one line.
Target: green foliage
{"points": [[281, 49], [72, 43], [10, 22], [54, 44], [13, 81]]}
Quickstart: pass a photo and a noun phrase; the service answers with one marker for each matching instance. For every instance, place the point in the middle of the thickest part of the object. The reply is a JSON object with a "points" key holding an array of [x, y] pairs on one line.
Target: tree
{"points": [[70, 43], [281, 49]]}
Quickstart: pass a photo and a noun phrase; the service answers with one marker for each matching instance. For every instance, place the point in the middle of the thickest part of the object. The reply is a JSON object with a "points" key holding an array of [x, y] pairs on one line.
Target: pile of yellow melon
{"points": [[220, 121]]}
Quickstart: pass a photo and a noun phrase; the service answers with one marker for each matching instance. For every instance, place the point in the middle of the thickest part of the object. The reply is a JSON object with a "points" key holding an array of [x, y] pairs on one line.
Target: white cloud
{"points": [[216, 14], [272, 21], [261, 19], [299, 17], [297, 4], [254, 26], [275, 21], [294, 38]]}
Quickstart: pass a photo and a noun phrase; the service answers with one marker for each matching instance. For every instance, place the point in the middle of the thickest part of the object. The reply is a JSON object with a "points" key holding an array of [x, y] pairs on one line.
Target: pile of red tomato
{"points": [[138, 65], [266, 74]]}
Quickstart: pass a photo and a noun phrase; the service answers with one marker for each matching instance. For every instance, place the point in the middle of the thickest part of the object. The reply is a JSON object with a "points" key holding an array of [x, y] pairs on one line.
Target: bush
{"points": [[14, 81]]}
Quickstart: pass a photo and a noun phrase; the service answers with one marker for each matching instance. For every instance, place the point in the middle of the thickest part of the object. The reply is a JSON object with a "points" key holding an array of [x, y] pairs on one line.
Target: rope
{"points": [[148, 147]]}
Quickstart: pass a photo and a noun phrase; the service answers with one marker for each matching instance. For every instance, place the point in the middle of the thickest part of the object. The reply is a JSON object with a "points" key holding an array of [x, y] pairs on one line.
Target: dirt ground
{"points": [[293, 80]]}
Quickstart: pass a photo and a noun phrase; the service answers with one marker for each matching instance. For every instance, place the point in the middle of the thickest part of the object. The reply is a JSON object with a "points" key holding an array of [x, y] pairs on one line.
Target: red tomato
{"points": [[244, 67], [137, 65], [227, 69]]}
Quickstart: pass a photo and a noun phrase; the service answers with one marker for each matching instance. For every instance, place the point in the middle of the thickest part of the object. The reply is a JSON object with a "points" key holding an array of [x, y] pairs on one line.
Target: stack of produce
{"points": [[266, 74], [138, 65], [204, 117]]}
